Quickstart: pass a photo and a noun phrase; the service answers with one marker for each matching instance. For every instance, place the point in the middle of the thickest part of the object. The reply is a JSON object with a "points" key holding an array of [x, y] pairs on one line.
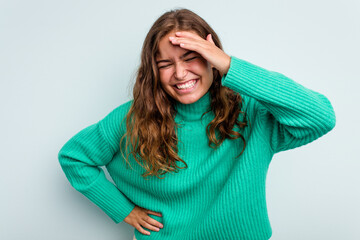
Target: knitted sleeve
{"points": [[292, 115], [81, 158]]}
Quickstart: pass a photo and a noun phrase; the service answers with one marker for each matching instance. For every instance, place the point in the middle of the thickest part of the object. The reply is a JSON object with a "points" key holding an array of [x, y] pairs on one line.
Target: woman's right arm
{"points": [[81, 158]]}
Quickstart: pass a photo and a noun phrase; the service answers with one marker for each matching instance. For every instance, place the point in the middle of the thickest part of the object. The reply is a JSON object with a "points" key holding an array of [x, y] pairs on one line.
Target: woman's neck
{"points": [[193, 111]]}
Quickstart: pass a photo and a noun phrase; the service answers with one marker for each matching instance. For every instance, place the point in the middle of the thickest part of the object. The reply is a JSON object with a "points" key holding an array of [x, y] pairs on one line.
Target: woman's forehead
{"points": [[167, 49]]}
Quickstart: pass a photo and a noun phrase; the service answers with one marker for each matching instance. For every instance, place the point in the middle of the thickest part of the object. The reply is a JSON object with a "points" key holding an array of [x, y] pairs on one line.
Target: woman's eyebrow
{"points": [[183, 56]]}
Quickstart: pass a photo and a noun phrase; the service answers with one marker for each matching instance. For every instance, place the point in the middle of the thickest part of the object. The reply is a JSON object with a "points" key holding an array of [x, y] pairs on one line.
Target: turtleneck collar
{"points": [[193, 111]]}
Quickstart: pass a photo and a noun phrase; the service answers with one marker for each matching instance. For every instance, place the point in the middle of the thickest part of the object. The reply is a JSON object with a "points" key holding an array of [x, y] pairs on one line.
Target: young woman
{"points": [[198, 135]]}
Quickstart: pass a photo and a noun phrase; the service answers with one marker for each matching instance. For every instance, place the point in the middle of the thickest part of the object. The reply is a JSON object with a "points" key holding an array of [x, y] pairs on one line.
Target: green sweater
{"points": [[218, 196]]}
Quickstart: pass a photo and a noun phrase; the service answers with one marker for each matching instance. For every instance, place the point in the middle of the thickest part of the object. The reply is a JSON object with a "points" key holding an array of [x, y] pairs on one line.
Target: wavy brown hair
{"points": [[150, 121]]}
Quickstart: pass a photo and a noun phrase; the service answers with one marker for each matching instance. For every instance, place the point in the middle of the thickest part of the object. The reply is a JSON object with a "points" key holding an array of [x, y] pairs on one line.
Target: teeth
{"points": [[189, 84]]}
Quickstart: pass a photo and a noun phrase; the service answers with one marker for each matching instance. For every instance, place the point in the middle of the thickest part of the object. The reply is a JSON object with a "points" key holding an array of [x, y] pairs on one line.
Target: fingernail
{"points": [[161, 225], [171, 38], [178, 33]]}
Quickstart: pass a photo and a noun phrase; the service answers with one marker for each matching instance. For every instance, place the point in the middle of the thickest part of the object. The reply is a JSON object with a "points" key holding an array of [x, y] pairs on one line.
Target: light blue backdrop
{"points": [[66, 64]]}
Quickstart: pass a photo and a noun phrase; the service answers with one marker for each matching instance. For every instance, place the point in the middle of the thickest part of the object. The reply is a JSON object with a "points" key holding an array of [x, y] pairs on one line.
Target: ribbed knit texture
{"points": [[218, 196]]}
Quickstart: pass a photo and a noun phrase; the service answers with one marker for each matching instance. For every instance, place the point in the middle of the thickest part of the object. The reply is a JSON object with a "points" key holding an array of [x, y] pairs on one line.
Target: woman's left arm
{"points": [[292, 114]]}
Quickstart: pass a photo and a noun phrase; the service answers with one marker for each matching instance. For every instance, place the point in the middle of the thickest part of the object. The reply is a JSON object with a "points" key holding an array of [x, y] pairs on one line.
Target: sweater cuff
{"points": [[109, 198]]}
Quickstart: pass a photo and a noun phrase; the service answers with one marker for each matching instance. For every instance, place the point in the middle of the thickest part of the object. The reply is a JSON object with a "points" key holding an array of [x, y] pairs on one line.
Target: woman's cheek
{"points": [[198, 64], [165, 75], [169, 72]]}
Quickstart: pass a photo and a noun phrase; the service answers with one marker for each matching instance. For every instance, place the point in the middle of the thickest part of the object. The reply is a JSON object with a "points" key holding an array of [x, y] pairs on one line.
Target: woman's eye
{"points": [[190, 59], [164, 66], [187, 60]]}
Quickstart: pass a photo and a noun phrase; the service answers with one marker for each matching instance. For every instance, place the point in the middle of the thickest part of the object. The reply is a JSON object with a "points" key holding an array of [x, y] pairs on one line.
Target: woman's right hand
{"points": [[139, 218]]}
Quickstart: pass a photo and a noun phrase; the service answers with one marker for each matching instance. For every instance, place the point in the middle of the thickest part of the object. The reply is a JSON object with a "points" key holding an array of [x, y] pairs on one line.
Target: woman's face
{"points": [[185, 75]]}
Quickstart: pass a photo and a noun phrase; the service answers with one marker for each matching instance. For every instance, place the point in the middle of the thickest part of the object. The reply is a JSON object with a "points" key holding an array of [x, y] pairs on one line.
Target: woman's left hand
{"points": [[206, 48]]}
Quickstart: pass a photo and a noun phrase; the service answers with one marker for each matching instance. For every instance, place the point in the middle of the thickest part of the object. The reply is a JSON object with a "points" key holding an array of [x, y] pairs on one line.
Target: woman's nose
{"points": [[180, 71]]}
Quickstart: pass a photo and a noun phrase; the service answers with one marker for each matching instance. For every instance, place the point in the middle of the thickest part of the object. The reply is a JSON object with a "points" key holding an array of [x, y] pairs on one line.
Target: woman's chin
{"points": [[190, 98]]}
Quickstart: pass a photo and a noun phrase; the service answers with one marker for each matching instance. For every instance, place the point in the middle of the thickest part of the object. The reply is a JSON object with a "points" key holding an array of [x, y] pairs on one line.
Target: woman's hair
{"points": [[150, 121]]}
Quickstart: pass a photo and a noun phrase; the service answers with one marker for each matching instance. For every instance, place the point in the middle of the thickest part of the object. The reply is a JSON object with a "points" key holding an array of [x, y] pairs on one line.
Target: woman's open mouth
{"points": [[187, 86]]}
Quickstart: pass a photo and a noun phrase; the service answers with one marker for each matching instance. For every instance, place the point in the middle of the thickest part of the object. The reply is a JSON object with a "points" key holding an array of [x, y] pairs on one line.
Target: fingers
{"points": [[154, 213], [141, 230], [153, 221], [209, 38], [188, 34], [139, 218], [191, 41], [187, 38], [193, 36], [186, 43], [150, 224]]}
